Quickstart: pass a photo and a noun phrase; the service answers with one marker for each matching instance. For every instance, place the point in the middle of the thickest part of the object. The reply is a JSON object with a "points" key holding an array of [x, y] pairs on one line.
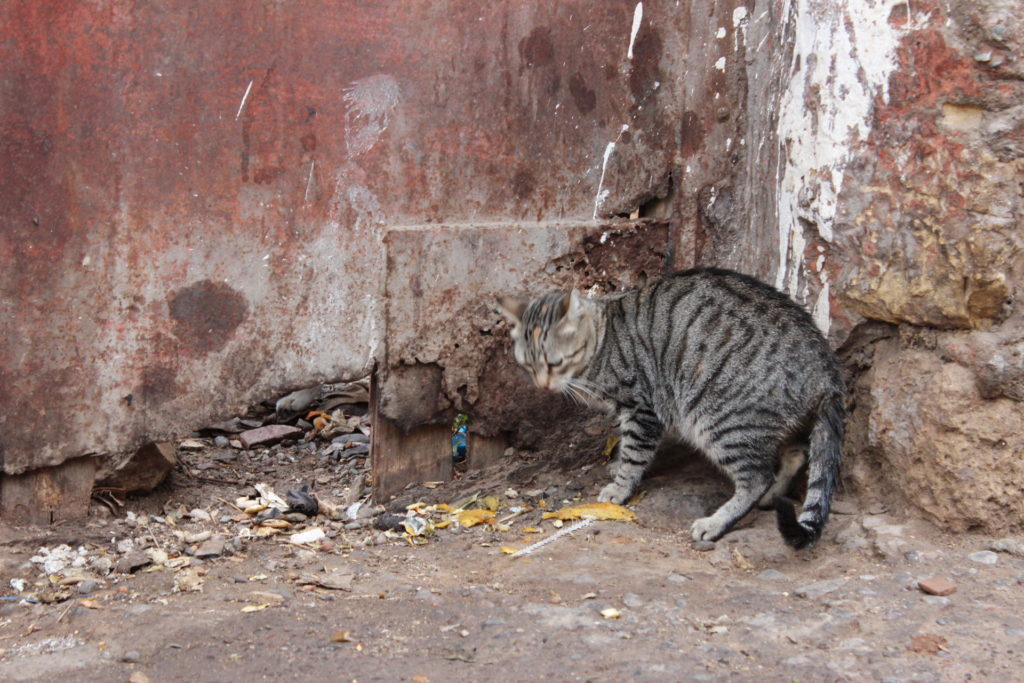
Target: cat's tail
{"points": [[822, 476]]}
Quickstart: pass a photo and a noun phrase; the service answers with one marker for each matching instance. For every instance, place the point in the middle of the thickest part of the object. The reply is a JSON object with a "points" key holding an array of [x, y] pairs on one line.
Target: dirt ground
{"points": [[613, 601]]}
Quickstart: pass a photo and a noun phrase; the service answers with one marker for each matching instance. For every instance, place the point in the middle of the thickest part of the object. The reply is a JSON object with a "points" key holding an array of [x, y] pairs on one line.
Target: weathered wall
{"points": [[196, 194], [893, 161], [207, 203]]}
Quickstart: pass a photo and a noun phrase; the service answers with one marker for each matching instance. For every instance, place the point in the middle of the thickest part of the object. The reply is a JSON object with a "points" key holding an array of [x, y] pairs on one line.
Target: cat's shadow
{"points": [[681, 486]]}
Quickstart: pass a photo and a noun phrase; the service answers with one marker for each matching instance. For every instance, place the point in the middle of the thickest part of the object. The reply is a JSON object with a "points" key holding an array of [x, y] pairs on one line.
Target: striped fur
{"points": [[714, 357]]}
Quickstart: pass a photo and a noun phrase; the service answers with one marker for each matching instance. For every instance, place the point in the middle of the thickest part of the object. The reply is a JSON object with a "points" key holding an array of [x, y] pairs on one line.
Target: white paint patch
{"points": [[245, 96], [370, 102], [720, 33], [638, 16], [739, 15], [602, 194], [823, 309], [720, 63], [844, 52], [309, 180]]}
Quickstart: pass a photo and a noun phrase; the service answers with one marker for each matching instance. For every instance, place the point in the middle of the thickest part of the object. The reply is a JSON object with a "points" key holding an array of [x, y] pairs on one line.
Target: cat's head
{"points": [[553, 336]]}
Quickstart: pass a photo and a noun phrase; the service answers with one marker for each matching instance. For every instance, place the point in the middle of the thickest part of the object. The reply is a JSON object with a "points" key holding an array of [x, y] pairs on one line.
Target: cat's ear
{"points": [[513, 307], [575, 304]]}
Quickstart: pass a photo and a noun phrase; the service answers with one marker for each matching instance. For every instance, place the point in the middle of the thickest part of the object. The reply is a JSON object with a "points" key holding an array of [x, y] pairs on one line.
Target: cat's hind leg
{"points": [[793, 457], [751, 474], [640, 431]]}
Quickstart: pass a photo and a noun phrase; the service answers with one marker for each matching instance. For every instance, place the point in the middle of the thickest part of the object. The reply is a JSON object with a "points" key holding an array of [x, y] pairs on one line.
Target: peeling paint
{"points": [[843, 56], [638, 15]]}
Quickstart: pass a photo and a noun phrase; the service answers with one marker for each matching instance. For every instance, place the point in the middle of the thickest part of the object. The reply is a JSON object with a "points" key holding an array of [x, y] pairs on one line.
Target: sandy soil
{"points": [[457, 608]]}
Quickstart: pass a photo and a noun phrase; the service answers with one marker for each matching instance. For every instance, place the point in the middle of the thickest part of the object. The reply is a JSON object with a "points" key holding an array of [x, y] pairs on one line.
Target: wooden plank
{"points": [[48, 494], [398, 458]]}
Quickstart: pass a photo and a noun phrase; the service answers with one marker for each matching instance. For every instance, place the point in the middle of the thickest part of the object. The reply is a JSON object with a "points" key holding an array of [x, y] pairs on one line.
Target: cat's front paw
{"points": [[706, 529], [614, 493]]}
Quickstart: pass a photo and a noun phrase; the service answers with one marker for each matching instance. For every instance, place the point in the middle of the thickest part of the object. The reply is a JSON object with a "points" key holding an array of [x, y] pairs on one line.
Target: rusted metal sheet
{"points": [[195, 194]]}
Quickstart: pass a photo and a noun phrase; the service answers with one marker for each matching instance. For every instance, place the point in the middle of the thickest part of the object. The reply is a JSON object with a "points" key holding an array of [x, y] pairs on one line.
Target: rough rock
{"points": [[937, 586], [145, 470], [268, 434], [944, 447]]}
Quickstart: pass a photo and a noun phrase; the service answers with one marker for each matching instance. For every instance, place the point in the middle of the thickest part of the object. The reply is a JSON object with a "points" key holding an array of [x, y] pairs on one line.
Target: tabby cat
{"points": [[717, 358]]}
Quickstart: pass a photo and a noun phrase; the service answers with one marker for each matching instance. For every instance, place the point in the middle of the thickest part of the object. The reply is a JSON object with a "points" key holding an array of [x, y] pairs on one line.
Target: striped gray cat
{"points": [[719, 359]]}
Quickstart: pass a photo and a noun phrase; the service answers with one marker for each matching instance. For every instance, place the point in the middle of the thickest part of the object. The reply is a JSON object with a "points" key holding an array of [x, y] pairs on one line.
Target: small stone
{"points": [[132, 561], [1012, 545], [138, 677], [268, 434], [214, 547], [221, 441], [200, 515], [819, 588], [88, 586], [844, 507], [632, 600], [983, 557], [937, 586], [772, 575], [131, 657], [676, 577]]}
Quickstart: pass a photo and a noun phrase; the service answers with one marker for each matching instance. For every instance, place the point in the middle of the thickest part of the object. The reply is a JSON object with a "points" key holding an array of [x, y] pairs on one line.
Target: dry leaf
{"points": [[609, 446], [421, 679], [341, 637], [432, 484], [443, 525], [468, 518], [276, 523], [491, 503], [444, 507], [531, 530], [89, 603], [606, 511], [739, 560], [611, 613], [508, 551], [255, 608]]}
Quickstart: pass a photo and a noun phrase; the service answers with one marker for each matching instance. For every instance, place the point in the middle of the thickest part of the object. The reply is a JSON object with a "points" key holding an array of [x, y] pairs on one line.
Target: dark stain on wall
{"points": [[205, 314]]}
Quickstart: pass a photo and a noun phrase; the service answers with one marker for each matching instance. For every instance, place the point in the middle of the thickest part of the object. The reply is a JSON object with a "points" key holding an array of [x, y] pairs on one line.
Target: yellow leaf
{"points": [[255, 608], [594, 511], [531, 530], [468, 518], [432, 484], [276, 523], [421, 679], [341, 637], [491, 503], [542, 504], [508, 551], [443, 525], [444, 507], [609, 446]]}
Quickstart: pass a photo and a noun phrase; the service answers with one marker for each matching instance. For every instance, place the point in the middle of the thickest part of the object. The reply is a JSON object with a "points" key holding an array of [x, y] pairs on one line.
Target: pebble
{"points": [[819, 588], [88, 586], [632, 600], [213, 547], [676, 577], [772, 575], [937, 586], [221, 441], [983, 557], [131, 657]]}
